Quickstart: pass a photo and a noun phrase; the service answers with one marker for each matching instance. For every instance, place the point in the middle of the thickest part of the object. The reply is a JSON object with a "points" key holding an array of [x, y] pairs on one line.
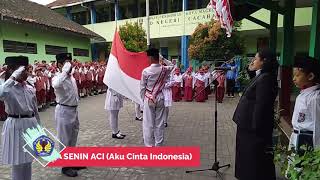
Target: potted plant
{"points": [[304, 167], [301, 167]]}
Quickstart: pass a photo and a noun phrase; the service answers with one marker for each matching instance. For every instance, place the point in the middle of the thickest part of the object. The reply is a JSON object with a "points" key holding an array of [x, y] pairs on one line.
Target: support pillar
{"points": [[117, 10], [287, 56], [93, 20], [69, 14], [93, 14], [184, 42], [314, 48]]}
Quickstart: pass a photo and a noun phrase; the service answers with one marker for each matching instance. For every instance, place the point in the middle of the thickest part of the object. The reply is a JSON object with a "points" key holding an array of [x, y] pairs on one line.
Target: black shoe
{"points": [[69, 172], [138, 119], [165, 124], [79, 168], [118, 135]]}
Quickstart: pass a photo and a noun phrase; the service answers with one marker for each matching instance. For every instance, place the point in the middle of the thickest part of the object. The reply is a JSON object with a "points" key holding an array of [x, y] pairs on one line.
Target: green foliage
{"points": [[305, 167], [133, 37], [243, 77], [209, 42], [109, 45]]}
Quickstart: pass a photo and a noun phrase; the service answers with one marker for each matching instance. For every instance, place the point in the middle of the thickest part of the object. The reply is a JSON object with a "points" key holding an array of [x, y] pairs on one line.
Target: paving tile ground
{"points": [[190, 124]]}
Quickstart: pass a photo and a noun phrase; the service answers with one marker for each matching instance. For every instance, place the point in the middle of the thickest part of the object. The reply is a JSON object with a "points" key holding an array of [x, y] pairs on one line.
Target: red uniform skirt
{"points": [[188, 93]]}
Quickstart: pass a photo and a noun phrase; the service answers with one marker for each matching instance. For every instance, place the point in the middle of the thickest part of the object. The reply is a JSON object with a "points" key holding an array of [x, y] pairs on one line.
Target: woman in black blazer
{"points": [[254, 117]]}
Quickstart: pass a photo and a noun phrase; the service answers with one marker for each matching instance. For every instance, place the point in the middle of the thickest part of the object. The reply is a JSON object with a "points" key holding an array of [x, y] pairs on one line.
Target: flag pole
{"points": [[116, 12], [148, 23]]}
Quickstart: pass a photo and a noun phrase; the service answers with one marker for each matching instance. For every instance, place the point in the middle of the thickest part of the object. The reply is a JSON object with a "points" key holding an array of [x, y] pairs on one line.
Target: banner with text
{"points": [[129, 157]]}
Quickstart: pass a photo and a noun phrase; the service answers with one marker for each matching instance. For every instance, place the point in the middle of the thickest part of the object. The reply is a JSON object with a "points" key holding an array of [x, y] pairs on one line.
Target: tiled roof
{"points": [[26, 12], [63, 3]]}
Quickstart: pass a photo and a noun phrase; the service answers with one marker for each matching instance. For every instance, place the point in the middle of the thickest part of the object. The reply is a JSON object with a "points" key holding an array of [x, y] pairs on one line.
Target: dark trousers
{"points": [[230, 87]]}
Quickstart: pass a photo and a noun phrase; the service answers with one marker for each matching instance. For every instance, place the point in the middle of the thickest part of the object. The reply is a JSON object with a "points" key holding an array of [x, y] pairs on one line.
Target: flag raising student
{"points": [[152, 82]]}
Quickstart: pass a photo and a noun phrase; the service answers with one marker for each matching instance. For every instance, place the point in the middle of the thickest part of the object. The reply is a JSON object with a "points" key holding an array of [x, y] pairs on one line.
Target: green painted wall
{"points": [[14, 32], [303, 17], [301, 37]]}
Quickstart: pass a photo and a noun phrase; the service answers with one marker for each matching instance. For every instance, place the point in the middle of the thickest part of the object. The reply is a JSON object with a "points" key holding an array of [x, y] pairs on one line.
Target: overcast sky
{"points": [[44, 2]]}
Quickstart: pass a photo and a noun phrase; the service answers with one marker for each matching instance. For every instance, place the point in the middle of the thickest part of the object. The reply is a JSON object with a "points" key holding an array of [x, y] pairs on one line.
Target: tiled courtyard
{"points": [[190, 124]]}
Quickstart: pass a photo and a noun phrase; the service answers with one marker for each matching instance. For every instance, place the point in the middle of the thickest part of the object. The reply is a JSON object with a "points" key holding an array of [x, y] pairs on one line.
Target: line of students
{"points": [[196, 85], [20, 100], [88, 76]]}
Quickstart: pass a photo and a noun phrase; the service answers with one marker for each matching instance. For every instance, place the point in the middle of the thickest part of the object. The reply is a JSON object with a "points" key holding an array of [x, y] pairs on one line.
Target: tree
{"points": [[209, 42], [133, 37]]}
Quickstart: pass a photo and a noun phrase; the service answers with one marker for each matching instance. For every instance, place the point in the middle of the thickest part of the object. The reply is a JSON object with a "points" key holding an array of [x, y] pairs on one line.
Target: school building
{"points": [[289, 27], [33, 30]]}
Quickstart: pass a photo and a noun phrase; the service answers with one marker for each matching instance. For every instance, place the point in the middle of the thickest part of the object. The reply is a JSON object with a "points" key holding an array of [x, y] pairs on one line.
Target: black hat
{"points": [[308, 64], [153, 52], [17, 61], [62, 57]]}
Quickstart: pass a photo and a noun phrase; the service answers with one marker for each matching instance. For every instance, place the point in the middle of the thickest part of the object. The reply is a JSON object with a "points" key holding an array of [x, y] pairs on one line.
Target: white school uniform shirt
{"points": [[149, 79], [31, 80], [177, 79], [19, 98], [200, 77], [65, 88], [306, 114]]}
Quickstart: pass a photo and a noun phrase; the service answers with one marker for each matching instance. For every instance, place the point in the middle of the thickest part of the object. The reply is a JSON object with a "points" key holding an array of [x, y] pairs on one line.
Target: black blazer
{"points": [[255, 110]]}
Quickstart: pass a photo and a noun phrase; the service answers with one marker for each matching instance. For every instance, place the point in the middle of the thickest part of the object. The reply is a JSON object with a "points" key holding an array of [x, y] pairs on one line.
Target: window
{"points": [[163, 5], [19, 47], [155, 7], [80, 52], [142, 9], [192, 4], [105, 13], [81, 18], [133, 10], [202, 4], [175, 5], [54, 50]]}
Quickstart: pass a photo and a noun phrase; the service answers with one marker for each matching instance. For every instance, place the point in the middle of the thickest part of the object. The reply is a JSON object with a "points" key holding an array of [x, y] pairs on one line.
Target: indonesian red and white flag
{"points": [[222, 13], [124, 70]]}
